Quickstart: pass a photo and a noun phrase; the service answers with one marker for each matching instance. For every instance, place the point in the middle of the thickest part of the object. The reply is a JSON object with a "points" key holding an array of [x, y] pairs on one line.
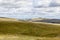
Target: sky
{"points": [[26, 9]]}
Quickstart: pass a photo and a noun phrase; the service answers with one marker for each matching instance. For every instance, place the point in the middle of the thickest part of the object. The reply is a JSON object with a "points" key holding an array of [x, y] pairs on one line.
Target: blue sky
{"points": [[25, 9]]}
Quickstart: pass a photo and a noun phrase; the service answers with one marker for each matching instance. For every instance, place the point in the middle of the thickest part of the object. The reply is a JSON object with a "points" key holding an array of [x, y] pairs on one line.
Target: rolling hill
{"points": [[7, 19], [29, 29]]}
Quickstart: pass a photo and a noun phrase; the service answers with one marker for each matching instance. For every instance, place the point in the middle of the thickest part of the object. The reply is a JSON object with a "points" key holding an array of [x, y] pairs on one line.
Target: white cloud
{"points": [[11, 4], [25, 7], [43, 3], [58, 1]]}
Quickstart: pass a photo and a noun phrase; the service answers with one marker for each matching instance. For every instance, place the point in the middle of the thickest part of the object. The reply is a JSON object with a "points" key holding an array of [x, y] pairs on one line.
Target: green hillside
{"points": [[29, 29]]}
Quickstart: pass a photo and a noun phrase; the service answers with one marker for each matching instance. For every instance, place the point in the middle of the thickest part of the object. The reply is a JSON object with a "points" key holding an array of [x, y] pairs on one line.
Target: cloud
{"points": [[9, 5], [13, 4], [19, 5], [48, 8], [50, 12], [54, 4], [47, 3], [29, 9], [42, 3]]}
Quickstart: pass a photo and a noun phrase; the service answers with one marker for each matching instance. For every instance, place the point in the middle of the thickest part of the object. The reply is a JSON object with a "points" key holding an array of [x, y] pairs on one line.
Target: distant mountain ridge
{"points": [[32, 20], [45, 20]]}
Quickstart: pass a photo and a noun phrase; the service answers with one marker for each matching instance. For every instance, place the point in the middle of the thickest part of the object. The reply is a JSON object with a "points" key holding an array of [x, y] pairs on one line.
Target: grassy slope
{"points": [[30, 29]]}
